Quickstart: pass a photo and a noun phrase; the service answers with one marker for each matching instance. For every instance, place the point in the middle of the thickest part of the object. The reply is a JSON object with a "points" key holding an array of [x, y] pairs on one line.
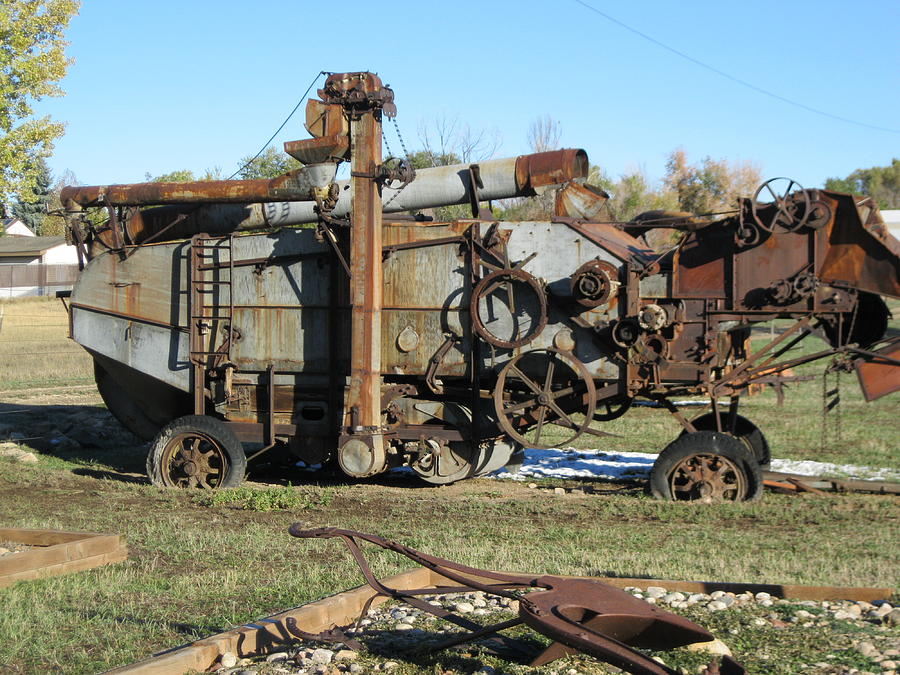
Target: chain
{"points": [[391, 154], [831, 400]]}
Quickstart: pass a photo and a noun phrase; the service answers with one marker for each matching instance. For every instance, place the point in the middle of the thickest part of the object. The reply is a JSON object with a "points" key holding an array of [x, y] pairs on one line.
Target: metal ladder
{"points": [[208, 310]]}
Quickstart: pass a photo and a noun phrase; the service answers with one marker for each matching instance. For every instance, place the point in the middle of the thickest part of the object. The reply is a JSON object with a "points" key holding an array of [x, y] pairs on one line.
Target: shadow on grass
{"points": [[80, 434], [188, 630]]}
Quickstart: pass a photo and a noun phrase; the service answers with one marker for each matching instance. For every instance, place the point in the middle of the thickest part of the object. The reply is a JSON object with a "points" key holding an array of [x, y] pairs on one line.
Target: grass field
{"points": [[34, 348], [200, 564]]}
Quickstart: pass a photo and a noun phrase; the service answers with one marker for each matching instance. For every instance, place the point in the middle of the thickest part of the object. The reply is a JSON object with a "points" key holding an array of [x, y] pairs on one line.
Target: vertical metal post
{"points": [[364, 396]]}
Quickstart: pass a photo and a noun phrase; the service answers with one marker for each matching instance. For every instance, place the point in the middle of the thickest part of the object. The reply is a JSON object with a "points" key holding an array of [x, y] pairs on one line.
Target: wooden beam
{"points": [[55, 552]]}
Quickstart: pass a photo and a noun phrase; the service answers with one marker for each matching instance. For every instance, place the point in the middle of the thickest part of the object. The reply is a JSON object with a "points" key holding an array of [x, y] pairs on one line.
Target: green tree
{"points": [[32, 210], [882, 183], [184, 176], [270, 164], [177, 176], [32, 61], [711, 185]]}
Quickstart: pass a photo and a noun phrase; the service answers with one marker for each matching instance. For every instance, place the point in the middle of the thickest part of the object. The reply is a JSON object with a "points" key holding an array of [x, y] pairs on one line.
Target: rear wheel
{"points": [[196, 451], [744, 430], [706, 466]]}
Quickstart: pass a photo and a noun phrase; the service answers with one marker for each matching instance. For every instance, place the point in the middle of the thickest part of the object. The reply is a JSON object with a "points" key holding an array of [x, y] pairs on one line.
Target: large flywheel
{"points": [[544, 398]]}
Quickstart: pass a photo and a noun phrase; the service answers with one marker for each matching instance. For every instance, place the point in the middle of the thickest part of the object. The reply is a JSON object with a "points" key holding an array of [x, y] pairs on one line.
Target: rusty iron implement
{"points": [[579, 615], [381, 338]]}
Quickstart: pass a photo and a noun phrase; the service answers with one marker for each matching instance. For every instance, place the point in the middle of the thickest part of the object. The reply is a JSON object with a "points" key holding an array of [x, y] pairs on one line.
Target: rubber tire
{"points": [[711, 442], [209, 426], [745, 431]]}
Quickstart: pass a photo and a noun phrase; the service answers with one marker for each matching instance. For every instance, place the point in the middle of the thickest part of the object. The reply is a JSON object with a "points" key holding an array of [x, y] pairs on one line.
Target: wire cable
{"points": [[738, 80], [278, 130]]}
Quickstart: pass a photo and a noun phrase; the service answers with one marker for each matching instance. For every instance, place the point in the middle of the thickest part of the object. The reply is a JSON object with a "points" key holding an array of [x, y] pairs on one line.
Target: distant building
{"points": [[16, 227], [31, 265], [892, 220]]}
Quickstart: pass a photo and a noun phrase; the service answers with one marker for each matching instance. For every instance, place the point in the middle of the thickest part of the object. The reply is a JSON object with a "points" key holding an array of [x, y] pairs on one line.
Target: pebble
{"points": [[716, 647], [559, 491], [228, 660], [396, 623], [322, 656], [867, 649]]}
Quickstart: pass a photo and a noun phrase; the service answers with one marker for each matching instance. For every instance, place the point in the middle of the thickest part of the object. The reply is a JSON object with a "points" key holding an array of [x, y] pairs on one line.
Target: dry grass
{"points": [[34, 346]]}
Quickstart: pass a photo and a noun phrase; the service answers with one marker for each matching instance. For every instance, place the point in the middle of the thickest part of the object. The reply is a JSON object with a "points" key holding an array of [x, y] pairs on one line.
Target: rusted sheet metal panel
{"points": [[620, 244], [862, 253], [432, 277], [877, 379], [411, 337], [578, 200], [699, 267], [149, 286], [781, 255], [294, 340], [160, 352]]}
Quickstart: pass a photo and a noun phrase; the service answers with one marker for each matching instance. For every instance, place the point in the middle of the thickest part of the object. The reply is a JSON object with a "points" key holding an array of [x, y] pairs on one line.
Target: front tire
{"points": [[706, 466], [196, 451]]}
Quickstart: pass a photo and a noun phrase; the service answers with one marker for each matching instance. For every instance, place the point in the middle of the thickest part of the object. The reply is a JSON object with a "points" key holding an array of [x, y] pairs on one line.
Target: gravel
{"points": [[391, 630]]}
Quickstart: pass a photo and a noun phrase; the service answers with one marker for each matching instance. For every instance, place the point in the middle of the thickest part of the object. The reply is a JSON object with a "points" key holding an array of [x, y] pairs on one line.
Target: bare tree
{"points": [[447, 140], [543, 134]]}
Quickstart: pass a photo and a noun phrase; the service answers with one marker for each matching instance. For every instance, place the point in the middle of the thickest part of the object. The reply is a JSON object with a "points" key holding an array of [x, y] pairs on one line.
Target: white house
{"points": [[892, 220], [31, 265], [16, 227]]}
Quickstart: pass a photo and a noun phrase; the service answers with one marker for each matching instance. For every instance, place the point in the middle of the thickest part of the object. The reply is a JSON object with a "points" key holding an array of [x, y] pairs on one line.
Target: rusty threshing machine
{"points": [[226, 318]]}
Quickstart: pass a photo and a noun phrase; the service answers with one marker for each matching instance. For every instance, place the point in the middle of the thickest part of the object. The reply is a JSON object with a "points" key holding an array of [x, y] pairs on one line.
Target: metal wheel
{"points": [[744, 430], [442, 464], [508, 308], [540, 389], [196, 451], [791, 210], [706, 466]]}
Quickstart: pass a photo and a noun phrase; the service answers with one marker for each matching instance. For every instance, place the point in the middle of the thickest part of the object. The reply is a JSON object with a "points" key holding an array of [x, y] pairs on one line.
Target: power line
{"points": [[738, 80], [278, 130]]}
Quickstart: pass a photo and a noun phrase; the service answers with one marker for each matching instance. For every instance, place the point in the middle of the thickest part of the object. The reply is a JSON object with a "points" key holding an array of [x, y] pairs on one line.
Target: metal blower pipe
{"points": [[439, 186]]}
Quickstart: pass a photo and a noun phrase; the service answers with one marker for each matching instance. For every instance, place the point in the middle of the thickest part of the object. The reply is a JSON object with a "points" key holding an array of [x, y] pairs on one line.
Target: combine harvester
{"points": [[300, 312]]}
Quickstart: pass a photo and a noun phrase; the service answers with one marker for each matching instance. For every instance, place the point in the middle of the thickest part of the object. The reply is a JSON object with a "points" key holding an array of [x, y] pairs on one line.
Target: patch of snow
{"points": [[810, 468], [572, 463]]}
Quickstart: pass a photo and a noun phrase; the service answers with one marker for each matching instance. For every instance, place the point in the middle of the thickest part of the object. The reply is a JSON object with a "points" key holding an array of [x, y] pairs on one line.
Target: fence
{"points": [[36, 279]]}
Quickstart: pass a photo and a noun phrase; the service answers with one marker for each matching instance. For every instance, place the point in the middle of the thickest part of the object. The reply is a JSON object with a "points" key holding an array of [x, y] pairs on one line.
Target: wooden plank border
{"points": [[57, 552], [266, 635]]}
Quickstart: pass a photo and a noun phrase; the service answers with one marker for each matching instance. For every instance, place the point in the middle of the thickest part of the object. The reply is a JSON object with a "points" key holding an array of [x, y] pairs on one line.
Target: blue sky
{"points": [[171, 84]]}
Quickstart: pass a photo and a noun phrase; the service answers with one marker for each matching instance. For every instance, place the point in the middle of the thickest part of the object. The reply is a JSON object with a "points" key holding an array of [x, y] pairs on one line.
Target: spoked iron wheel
{"points": [[196, 451], [541, 389], [706, 466], [790, 201]]}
